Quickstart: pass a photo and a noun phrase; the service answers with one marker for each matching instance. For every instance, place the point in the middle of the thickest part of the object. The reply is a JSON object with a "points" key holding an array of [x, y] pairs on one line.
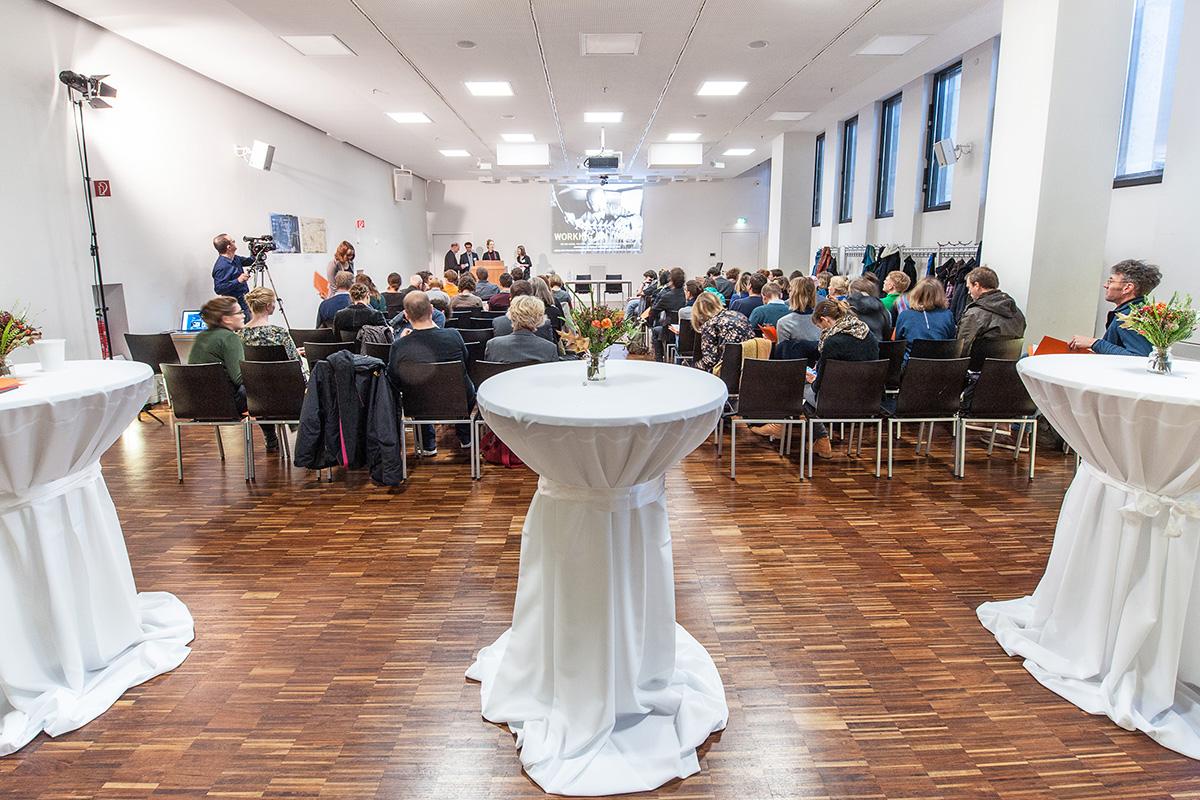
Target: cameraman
{"points": [[229, 273]]}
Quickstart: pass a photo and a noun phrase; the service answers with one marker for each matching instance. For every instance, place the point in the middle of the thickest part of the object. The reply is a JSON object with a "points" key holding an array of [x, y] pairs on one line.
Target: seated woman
{"points": [[928, 315], [561, 295], [798, 325], [741, 289], [259, 330], [839, 287], [527, 314], [541, 290], [717, 327], [348, 321], [377, 301], [466, 299], [221, 344], [844, 337]]}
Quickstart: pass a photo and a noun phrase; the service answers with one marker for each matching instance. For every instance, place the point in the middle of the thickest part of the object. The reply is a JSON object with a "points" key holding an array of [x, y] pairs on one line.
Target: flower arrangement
{"points": [[597, 328], [1163, 324], [16, 331]]}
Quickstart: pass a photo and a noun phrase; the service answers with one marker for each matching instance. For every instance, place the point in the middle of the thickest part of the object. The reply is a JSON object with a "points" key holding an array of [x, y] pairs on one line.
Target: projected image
{"points": [[597, 219]]}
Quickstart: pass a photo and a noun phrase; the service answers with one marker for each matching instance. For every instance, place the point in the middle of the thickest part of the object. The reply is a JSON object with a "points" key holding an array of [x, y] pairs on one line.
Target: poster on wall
{"points": [[590, 218], [312, 235], [285, 229]]}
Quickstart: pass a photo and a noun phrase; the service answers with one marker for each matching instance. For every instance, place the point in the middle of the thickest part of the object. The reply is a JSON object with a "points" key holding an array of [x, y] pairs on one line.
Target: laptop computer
{"points": [[190, 321]]}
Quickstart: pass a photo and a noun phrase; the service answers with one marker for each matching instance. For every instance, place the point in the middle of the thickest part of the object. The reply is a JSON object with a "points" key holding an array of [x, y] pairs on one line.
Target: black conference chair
{"points": [[583, 287], [265, 352], [480, 335], [771, 391], [154, 350], [613, 288], [319, 351], [731, 375], [686, 344], [322, 335], [850, 392], [432, 394], [1000, 349], [274, 396], [200, 394], [930, 392], [380, 350], [893, 353], [933, 348], [476, 323], [1000, 397], [480, 371], [474, 352]]}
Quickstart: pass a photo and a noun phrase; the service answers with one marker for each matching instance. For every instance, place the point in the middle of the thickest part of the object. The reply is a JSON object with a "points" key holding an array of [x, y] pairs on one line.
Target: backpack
{"points": [[376, 334], [494, 451]]}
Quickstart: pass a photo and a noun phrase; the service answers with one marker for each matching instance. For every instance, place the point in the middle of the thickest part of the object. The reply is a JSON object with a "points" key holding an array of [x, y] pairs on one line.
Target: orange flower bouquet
{"points": [[597, 328]]}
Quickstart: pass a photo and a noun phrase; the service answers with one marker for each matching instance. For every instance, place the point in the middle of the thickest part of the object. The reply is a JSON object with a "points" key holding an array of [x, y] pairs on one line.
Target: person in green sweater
{"points": [[894, 285], [221, 343]]}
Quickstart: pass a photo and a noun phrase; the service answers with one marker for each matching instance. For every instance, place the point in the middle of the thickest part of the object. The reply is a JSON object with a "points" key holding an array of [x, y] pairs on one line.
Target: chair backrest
{"points": [[480, 335], [265, 352], [274, 389], [380, 350], [153, 349], [482, 370], [476, 324], [474, 352], [731, 367], [488, 314], [931, 387], [319, 351], [1000, 393], [1000, 349], [612, 288], [851, 389], [200, 392], [302, 335], [893, 352], [457, 321], [583, 288], [933, 348], [687, 339], [432, 391], [771, 389]]}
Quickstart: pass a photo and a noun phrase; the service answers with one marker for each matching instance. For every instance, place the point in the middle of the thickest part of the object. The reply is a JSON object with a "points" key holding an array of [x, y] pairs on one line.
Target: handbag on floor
{"points": [[494, 451]]}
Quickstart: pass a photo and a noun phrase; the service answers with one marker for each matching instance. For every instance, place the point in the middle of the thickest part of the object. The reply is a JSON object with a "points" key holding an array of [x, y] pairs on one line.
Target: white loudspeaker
{"points": [[402, 185], [944, 152], [261, 155]]}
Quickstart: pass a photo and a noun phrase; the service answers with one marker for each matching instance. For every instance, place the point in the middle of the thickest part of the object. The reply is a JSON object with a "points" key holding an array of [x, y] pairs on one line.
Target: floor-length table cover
{"points": [[1114, 624], [74, 632], [604, 691]]}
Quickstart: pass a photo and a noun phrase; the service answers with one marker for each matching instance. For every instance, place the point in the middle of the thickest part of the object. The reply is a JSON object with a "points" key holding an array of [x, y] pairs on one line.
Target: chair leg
{"points": [[220, 444], [732, 448], [179, 451], [962, 448], [992, 440], [858, 453], [920, 437], [878, 444], [929, 440], [782, 439], [803, 424], [1032, 448], [248, 461], [890, 425], [403, 451], [1020, 438], [810, 425], [720, 434]]}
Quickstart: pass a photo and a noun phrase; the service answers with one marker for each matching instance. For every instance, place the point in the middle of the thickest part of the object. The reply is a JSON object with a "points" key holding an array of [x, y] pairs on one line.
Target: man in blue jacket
{"points": [[1127, 286], [229, 272]]}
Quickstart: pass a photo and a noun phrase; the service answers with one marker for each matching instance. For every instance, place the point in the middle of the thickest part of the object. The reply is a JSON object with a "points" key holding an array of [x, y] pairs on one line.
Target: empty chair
{"points": [[583, 285], [770, 392], [319, 351], [154, 350], [613, 288], [302, 335], [731, 375], [687, 344], [1001, 349], [850, 392], [433, 394], [893, 353], [380, 350], [930, 392], [200, 394], [265, 352], [933, 348], [480, 371], [1000, 397], [274, 396]]}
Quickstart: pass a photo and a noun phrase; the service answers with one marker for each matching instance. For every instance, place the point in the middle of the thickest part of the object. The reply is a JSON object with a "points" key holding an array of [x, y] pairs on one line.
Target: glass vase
{"points": [[595, 366], [5, 371], [1159, 361]]}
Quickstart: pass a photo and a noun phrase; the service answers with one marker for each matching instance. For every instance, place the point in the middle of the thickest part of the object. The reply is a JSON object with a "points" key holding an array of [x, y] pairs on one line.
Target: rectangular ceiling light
{"points": [[788, 116], [677, 154], [736, 151], [409, 117], [454, 153], [603, 116], [489, 88], [517, 138], [325, 44], [609, 44], [522, 155], [720, 88], [683, 137], [897, 45]]}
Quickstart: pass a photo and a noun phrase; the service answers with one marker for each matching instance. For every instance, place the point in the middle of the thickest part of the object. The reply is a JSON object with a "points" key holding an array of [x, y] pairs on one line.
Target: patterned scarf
{"points": [[849, 324]]}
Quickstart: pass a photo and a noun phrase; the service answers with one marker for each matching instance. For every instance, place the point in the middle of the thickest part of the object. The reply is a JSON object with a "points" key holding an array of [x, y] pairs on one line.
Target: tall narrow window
{"points": [[889, 143], [846, 197], [943, 124], [1148, 87], [818, 177]]}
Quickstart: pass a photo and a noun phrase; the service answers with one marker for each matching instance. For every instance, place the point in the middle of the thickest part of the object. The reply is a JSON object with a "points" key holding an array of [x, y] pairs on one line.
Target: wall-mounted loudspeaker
{"points": [[402, 185]]}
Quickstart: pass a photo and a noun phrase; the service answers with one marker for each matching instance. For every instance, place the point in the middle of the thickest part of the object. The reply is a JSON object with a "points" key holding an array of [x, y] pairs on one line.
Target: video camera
{"points": [[259, 245]]}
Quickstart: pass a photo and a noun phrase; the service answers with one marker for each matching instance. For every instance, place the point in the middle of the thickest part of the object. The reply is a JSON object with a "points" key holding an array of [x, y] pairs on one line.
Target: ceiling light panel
{"points": [[489, 88], [735, 151], [609, 44], [522, 155], [603, 116], [720, 88], [409, 117], [325, 44], [454, 153], [518, 138], [683, 137], [891, 45], [789, 116], [678, 154]]}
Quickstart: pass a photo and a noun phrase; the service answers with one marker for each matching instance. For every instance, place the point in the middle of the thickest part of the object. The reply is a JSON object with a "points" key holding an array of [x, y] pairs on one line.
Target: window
{"points": [[942, 124], [889, 143], [1152, 53], [818, 176], [849, 141]]}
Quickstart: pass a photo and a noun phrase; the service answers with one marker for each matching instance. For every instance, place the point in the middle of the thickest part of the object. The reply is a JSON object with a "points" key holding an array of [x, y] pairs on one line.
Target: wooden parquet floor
{"points": [[334, 623]]}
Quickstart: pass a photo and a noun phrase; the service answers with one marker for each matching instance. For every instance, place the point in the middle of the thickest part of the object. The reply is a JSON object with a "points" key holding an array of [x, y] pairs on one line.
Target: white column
{"points": [[789, 226], [1059, 96]]}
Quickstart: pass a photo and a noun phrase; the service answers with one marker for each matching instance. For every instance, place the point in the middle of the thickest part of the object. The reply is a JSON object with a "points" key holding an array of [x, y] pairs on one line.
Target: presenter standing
{"points": [[490, 254], [523, 259], [469, 256], [450, 260], [229, 272], [343, 261]]}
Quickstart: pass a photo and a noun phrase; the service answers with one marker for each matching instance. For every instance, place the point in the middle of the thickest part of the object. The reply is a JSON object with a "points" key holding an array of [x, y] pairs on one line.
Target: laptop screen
{"points": [[190, 321]]}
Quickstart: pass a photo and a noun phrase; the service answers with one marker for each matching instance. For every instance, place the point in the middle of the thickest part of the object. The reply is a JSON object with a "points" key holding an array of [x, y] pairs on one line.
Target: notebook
{"points": [[1049, 346], [8, 384]]}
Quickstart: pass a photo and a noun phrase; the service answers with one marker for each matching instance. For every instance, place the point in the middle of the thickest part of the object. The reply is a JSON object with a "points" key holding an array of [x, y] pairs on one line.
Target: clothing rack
{"points": [[858, 252], [956, 250]]}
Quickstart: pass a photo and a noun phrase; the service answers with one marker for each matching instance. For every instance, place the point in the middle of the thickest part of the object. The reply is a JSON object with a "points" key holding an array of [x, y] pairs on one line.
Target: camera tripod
{"points": [[257, 270]]}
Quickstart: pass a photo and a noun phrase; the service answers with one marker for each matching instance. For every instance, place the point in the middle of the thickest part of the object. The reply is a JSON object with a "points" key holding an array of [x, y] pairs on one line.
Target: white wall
{"points": [[167, 146], [683, 223]]}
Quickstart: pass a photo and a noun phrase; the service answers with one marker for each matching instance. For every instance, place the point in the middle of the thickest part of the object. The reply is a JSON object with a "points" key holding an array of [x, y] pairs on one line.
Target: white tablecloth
{"points": [[74, 632], [605, 692], [1114, 624]]}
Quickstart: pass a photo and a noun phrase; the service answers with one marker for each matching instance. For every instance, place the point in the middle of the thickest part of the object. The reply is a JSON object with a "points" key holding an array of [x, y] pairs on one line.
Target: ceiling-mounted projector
{"points": [[605, 163]]}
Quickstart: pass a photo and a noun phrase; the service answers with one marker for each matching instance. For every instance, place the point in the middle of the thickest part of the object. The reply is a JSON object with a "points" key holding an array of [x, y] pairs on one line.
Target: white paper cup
{"points": [[52, 353]]}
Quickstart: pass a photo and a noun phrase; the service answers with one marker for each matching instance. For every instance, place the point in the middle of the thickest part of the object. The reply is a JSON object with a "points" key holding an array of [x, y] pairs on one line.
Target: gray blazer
{"points": [[520, 346], [502, 326]]}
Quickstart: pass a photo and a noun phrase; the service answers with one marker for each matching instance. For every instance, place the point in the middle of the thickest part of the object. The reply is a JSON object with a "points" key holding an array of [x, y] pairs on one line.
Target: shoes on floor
{"points": [[822, 448], [464, 445], [424, 453], [774, 430], [273, 447]]}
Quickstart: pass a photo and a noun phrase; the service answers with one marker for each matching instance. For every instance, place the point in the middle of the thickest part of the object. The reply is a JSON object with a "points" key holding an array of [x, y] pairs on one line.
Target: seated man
{"points": [[351, 319], [340, 299], [483, 289], [503, 326], [1128, 284], [991, 314], [771, 311], [746, 305], [425, 343], [670, 299], [500, 300], [525, 315]]}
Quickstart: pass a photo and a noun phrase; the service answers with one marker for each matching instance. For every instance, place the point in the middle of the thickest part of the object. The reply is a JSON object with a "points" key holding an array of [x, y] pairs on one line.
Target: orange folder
{"points": [[769, 333], [8, 384], [321, 284], [1049, 346]]}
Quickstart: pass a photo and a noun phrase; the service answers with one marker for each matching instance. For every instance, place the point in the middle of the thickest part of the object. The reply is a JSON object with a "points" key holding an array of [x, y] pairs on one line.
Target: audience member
{"points": [[541, 290], [754, 299], [691, 290], [502, 326], [844, 337], [393, 298], [1129, 283], [823, 286], [771, 311], [798, 325], [435, 292], [561, 295], [741, 289], [348, 321], [517, 273], [717, 327], [466, 298], [928, 315], [645, 295], [525, 315], [337, 301], [670, 299], [839, 288], [722, 284], [500, 300], [867, 307], [483, 289], [894, 285], [259, 330], [991, 314], [376, 299], [450, 282]]}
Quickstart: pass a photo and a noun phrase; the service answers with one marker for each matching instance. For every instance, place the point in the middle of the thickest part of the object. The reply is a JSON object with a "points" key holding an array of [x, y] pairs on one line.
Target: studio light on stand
{"points": [[92, 90]]}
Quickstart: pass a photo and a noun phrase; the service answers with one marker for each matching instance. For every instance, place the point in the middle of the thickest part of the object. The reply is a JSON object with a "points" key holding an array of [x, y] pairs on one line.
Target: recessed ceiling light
{"points": [[408, 117], [489, 88], [603, 116], [508, 116], [758, 44], [325, 44], [788, 116], [609, 44], [454, 153], [465, 44], [891, 45], [683, 137], [517, 137], [733, 151], [484, 164], [720, 88]]}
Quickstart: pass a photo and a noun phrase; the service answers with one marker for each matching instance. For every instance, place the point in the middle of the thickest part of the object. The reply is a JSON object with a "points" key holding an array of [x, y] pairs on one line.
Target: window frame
{"points": [[887, 156], [818, 177], [847, 164], [1153, 176], [931, 165]]}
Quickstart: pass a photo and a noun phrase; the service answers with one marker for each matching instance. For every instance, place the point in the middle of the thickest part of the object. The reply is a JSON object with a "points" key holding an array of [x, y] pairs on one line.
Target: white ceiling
{"points": [[407, 60]]}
